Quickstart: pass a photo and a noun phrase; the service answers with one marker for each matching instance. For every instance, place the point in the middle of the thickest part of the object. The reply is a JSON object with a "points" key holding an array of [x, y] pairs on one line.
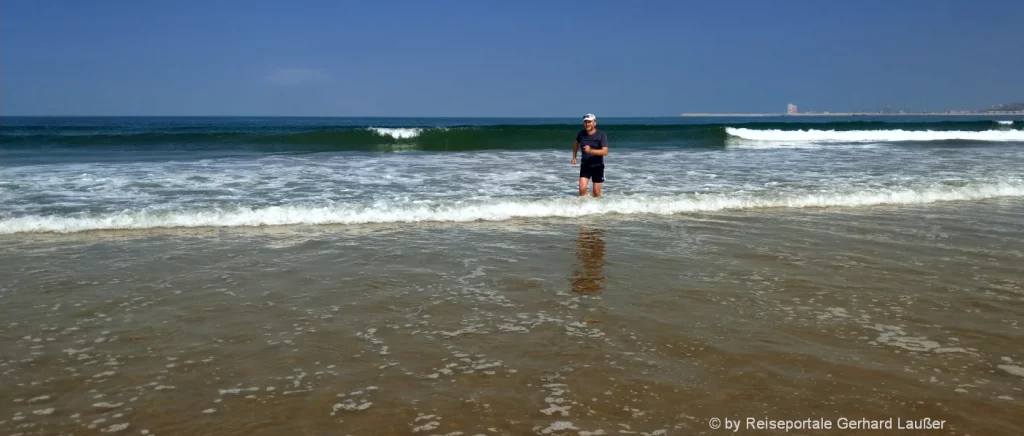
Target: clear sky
{"points": [[505, 58]]}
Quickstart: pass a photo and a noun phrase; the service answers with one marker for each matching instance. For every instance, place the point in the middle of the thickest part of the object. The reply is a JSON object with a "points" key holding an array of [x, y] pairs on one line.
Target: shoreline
{"points": [[523, 330]]}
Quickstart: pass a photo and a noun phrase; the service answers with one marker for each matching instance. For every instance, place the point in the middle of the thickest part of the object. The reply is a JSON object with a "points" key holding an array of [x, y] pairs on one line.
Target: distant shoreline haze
{"points": [[847, 114], [1000, 109]]}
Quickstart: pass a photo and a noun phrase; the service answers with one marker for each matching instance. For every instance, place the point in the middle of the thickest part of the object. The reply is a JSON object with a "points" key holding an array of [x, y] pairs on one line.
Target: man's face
{"points": [[589, 124]]}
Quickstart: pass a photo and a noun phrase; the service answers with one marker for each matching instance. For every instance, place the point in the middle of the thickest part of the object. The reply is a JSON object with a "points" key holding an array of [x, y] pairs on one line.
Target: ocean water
{"points": [[66, 175], [440, 276]]}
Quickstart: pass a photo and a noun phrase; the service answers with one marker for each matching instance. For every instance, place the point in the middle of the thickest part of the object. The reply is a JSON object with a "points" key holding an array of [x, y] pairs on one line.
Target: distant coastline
{"points": [[851, 114]]}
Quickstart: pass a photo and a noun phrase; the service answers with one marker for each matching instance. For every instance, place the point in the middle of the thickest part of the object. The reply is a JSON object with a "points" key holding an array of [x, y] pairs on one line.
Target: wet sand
{"points": [[606, 325]]}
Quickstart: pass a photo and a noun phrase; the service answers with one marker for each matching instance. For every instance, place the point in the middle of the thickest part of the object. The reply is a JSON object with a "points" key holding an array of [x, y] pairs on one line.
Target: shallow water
{"points": [[615, 324]]}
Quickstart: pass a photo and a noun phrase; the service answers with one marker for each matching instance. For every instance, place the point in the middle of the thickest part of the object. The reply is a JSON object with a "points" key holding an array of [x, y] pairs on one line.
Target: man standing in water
{"points": [[595, 148]]}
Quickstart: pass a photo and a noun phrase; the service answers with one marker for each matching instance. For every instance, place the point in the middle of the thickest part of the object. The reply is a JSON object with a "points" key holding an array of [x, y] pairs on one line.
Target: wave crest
{"points": [[397, 132], [777, 135]]}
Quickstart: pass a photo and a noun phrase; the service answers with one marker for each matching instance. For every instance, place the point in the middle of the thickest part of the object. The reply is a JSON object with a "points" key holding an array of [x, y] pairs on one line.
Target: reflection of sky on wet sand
{"points": [[588, 272]]}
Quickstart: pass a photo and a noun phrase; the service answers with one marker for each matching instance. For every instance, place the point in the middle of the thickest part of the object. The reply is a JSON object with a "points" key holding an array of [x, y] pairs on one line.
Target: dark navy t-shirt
{"points": [[596, 141]]}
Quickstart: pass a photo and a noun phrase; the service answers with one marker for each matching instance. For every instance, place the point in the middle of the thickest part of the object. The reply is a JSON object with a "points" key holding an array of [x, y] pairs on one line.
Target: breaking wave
{"points": [[496, 209], [778, 135]]}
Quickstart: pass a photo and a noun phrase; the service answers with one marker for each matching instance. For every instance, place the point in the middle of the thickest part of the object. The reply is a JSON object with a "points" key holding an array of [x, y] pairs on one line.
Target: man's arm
{"points": [[604, 147], [575, 148]]}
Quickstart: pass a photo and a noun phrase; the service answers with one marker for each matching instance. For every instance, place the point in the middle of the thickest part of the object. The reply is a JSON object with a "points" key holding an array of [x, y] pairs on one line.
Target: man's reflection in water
{"points": [[588, 275]]}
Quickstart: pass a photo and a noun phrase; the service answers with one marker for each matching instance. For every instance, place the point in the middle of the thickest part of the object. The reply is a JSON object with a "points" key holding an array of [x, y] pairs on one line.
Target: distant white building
{"points": [[791, 109]]}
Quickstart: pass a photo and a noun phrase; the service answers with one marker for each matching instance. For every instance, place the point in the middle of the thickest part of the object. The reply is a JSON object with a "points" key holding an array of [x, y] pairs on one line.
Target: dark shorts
{"points": [[593, 172]]}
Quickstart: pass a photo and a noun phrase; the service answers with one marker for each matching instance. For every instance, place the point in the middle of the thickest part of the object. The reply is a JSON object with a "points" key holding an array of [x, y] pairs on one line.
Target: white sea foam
{"points": [[874, 135], [492, 185], [500, 209], [115, 428], [1012, 369], [1005, 122], [740, 143], [397, 132], [39, 399]]}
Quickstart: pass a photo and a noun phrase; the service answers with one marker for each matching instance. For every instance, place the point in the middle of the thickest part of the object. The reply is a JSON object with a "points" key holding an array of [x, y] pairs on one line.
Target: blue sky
{"points": [[510, 58]]}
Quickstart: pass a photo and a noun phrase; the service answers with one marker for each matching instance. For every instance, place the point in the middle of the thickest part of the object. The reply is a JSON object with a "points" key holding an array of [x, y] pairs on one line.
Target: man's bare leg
{"points": [[597, 189], [583, 186]]}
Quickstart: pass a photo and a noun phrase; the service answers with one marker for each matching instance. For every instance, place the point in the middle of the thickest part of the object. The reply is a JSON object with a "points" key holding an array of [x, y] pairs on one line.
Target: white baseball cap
{"points": [[589, 117]]}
